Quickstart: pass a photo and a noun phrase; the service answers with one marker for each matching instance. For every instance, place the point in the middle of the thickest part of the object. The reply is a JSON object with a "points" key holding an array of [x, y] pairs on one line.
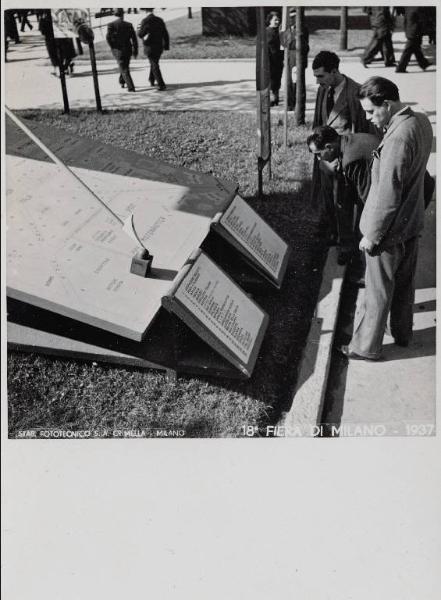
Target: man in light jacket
{"points": [[392, 219]]}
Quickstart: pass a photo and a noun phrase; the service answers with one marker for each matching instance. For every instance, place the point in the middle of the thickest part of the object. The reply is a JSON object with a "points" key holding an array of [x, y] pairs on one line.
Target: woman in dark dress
{"points": [[275, 55]]}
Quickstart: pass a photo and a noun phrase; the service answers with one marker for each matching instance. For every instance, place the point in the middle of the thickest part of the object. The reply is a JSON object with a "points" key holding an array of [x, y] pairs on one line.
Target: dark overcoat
{"points": [[154, 34], [413, 22], [121, 38], [347, 116]]}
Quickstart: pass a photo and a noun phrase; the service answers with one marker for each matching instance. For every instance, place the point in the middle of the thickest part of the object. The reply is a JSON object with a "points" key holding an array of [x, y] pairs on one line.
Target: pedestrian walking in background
{"points": [[61, 51], [338, 106], [288, 40], [429, 23], [66, 53], [392, 219], [46, 30], [123, 42], [382, 25], [414, 29], [11, 30], [275, 54], [155, 39], [23, 16]]}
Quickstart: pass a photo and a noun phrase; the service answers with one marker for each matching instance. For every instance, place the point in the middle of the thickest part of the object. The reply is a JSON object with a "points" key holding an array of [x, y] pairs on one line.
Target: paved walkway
{"points": [[192, 84], [400, 389]]}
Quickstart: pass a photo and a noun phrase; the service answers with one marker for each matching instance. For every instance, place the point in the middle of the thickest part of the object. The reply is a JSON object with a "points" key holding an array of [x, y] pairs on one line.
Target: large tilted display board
{"points": [[66, 254], [248, 233], [219, 311], [68, 261]]}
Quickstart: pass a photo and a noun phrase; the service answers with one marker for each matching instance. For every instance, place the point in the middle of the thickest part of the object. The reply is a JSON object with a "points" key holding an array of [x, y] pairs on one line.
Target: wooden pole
{"points": [[300, 70], [190, 14], [344, 28], [259, 177], [60, 66], [63, 80], [95, 76], [285, 27], [262, 98]]}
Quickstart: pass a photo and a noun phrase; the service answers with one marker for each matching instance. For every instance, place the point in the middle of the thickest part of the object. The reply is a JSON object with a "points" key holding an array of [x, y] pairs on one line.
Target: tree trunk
{"points": [[344, 28], [300, 70]]}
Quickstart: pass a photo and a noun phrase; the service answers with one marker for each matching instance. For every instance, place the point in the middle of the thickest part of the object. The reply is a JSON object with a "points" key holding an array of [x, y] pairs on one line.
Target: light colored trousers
{"points": [[390, 287]]}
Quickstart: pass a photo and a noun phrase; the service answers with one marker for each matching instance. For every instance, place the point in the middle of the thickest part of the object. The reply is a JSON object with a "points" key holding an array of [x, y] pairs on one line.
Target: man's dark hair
{"points": [[321, 136], [327, 60], [118, 12], [379, 89]]}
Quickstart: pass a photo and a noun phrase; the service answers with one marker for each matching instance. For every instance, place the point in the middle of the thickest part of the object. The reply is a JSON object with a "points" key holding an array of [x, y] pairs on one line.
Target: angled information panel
{"points": [[254, 239], [219, 311]]}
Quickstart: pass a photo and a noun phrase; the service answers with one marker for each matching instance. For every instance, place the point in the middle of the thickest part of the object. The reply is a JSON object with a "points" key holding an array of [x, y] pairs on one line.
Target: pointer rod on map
{"points": [[127, 225]]}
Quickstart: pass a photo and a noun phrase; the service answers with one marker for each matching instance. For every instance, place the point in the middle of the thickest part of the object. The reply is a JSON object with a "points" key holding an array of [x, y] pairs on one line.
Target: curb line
{"points": [[308, 398]]}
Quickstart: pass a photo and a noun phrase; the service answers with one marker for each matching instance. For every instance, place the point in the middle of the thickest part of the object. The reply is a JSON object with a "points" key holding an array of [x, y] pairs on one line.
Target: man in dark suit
{"points": [[155, 39], [349, 154], [392, 219], [337, 105], [382, 25], [123, 42], [414, 29], [350, 157]]}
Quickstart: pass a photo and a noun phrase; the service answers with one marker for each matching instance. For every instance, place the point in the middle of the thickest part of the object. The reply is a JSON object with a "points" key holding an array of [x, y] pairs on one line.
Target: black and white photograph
{"points": [[213, 229], [219, 302]]}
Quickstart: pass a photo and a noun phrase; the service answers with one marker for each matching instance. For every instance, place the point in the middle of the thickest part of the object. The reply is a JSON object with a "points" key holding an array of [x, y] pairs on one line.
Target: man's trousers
{"points": [[413, 46], [123, 61], [380, 43], [155, 75], [338, 205], [390, 287]]}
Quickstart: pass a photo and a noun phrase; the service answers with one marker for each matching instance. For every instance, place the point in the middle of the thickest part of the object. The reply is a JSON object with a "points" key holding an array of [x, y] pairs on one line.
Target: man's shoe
{"points": [[391, 64], [364, 63], [428, 64], [161, 88], [353, 355], [402, 343], [131, 90], [123, 85], [399, 70]]}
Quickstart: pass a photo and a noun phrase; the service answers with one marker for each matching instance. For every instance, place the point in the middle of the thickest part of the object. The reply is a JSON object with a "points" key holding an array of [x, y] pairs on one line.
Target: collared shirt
{"points": [[338, 89]]}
